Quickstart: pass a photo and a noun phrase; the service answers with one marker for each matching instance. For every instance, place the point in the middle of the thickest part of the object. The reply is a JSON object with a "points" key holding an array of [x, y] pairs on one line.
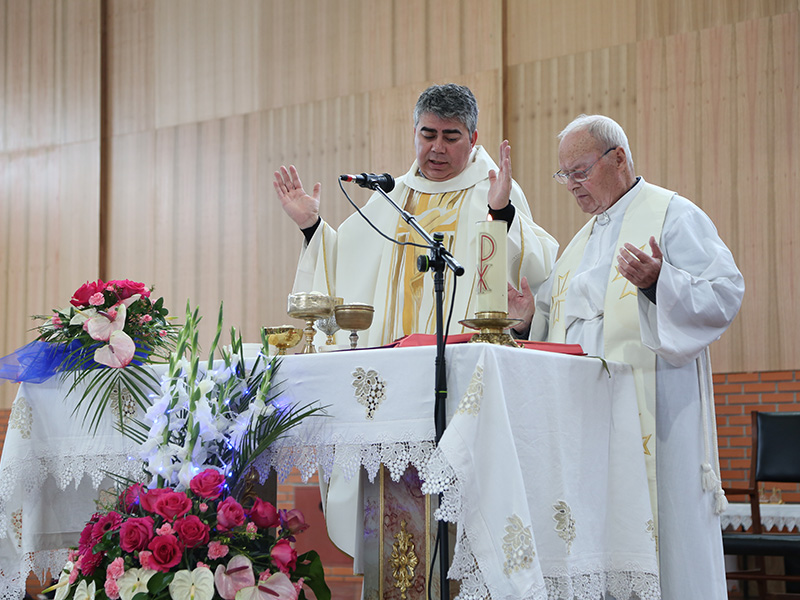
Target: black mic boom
{"points": [[371, 181]]}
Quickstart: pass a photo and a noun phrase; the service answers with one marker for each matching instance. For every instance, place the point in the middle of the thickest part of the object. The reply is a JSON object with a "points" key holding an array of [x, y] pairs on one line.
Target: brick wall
{"points": [[736, 394]]}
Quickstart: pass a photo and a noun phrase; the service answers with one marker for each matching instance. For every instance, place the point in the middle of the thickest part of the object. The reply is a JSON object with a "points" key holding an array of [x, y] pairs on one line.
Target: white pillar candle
{"points": [[492, 281]]}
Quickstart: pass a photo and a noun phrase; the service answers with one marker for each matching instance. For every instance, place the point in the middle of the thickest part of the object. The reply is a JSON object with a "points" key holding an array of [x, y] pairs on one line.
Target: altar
{"points": [[541, 465]]}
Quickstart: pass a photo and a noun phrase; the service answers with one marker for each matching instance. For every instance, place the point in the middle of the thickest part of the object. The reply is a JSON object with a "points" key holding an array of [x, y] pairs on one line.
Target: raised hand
{"points": [[500, 182], [302, 208]]}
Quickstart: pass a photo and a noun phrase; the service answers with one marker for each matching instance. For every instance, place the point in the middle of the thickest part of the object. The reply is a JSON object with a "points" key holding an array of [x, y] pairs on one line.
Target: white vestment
{"points": [[358, 265], [699, 292]]}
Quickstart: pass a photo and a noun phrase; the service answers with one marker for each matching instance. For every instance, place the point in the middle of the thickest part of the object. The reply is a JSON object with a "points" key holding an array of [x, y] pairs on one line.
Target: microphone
{"points": [[371, 181]]}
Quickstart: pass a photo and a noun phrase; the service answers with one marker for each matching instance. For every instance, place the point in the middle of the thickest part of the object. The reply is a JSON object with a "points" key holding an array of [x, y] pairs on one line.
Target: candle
{"points": [[492, 284]]}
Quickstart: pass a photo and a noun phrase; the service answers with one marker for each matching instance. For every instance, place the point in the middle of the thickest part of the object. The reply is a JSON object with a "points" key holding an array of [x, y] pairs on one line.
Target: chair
{"points": [[775, 457]]}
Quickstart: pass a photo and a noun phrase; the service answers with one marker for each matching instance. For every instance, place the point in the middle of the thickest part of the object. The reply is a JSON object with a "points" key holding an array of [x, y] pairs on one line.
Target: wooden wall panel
{"points": [[49, 159], [785, 106], [206, 99], [206, 59], [131, 66], [540, 29], [664, 18], [544, 96]]}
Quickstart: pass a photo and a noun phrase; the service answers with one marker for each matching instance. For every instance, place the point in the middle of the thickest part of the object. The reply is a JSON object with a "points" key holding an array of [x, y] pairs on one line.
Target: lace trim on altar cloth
{"points": [[309, 458], [620, 582], [45, 564], [31, 474]]}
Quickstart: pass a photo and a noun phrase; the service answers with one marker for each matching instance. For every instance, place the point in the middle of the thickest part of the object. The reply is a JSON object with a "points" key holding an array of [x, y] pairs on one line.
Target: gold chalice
{"points": [[328, 325], [355, 317], [283, 337], [309, 306]]}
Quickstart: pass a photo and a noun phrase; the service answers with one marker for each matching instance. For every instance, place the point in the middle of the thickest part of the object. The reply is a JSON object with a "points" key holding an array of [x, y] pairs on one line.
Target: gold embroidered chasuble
{"points": [[621, 335], [436, 213], [361, 266]]}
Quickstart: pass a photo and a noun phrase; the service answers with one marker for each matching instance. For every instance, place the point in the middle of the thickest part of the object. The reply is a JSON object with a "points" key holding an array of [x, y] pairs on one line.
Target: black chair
{"points": [[775, 458]]}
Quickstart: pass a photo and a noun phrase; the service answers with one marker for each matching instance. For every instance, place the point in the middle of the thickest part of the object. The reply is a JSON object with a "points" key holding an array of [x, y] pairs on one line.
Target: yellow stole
{"points": [[621, 335], [435, 213]]}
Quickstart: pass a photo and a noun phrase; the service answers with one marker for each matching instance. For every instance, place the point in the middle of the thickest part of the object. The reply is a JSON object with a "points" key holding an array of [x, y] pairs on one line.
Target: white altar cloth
{"points": [[546, 480]]}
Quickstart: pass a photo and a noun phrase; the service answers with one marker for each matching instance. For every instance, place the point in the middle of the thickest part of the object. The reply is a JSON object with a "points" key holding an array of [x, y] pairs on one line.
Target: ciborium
{"points": [[309, 306], [355, 317], [283, 337], [328, 325]]}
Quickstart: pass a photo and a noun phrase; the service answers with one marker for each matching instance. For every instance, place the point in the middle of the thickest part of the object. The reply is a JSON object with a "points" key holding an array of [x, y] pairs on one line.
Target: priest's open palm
{"points": [[500, 182], [302, 208]]}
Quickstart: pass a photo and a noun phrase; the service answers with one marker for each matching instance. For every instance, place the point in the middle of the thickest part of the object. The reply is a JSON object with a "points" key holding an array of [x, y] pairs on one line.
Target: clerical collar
{"points": [[620, 206]]}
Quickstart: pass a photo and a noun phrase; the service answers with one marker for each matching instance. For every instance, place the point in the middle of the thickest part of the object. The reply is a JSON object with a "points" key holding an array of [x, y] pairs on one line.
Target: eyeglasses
{"points": [[578, 176]]}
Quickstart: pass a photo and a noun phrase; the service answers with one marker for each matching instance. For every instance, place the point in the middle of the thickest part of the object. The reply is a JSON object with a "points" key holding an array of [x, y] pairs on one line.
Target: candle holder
{"points": [[309, 306], [492, 326]]}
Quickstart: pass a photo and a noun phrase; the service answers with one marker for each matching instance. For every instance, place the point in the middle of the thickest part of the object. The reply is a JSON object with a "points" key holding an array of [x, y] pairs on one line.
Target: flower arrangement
{"points": [[110, 323], [181, 534], [194, 545], [110, 331]]}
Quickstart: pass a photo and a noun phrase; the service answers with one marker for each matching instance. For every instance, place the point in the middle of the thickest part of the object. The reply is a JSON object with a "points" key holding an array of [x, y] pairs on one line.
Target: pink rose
{"points": [[209, 484], [136, 533], [167, 552], [148, 498], [112, 589], [125, 288], [173, 505], [217, 550], [81, 296], [284, 555], [230, 514], [264, 514], [293, 520], [192, 531]]}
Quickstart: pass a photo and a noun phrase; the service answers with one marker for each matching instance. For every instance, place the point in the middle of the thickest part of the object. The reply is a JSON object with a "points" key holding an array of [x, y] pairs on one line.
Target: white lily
{"points": [[195, 585], [84, 592], [132, 582]]}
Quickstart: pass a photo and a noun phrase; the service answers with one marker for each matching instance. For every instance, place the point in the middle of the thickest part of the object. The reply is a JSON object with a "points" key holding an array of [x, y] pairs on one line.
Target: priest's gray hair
{"points": [[449, 101], [605, 130]]}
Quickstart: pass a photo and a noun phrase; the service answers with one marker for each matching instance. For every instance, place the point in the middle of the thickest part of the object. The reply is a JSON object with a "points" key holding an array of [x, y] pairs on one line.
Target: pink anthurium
{"points": [[101, 327], [239, 574], [119, 351], [276, 587]]}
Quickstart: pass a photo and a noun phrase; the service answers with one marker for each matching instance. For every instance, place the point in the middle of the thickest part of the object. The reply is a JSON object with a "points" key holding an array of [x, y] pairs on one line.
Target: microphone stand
{"points": [[438, 259]]}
